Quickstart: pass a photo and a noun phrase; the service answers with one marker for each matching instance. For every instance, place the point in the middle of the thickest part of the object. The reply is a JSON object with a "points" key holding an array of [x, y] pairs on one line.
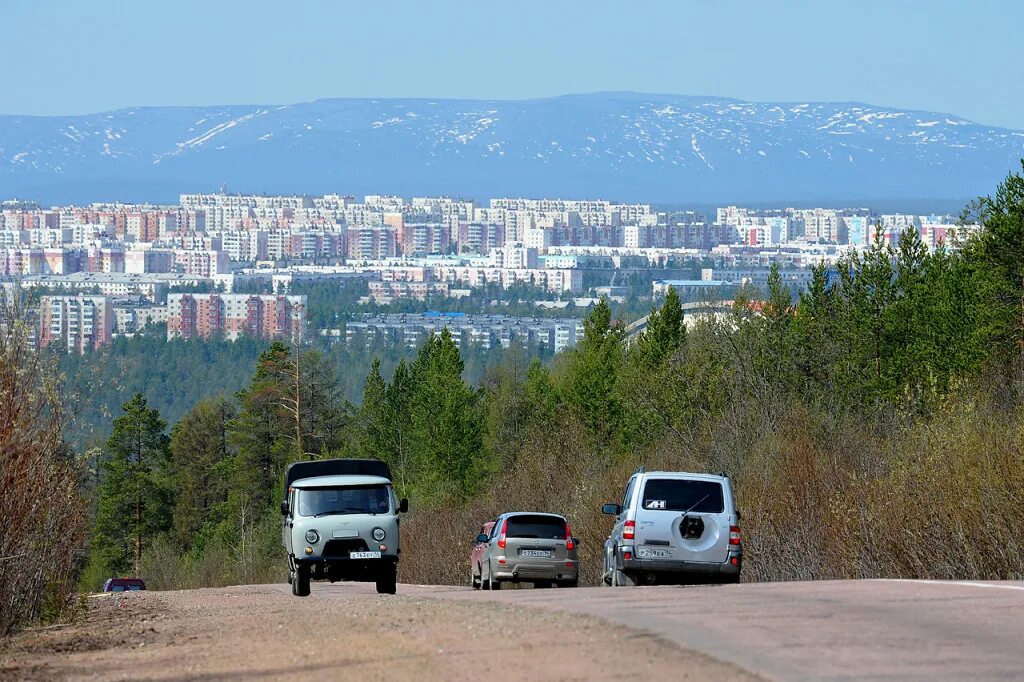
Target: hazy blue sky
{"points": [[76, 56]]}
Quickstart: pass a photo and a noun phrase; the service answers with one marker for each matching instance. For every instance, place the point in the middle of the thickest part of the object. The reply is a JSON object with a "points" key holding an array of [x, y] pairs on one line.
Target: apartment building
{"points": [[75, 324], [371, 243], [484, 331], [231, 315]]}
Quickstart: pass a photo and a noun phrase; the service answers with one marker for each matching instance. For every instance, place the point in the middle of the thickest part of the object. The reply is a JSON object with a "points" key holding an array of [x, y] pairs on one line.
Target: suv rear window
{"points": [[674, 494], [542, 527]]}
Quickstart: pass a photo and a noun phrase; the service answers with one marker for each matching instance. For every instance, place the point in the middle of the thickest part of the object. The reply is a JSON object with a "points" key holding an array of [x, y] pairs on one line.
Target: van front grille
{"points": [[341, 548]]}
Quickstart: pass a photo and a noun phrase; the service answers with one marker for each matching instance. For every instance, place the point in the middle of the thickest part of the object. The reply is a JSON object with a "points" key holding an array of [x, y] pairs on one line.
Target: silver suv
{"points": [[341, 523], [526, 547], [673, 527]]}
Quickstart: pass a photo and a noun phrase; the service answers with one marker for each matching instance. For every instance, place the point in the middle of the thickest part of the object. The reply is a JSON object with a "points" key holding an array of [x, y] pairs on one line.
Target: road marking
{"points": [[964, 583]]}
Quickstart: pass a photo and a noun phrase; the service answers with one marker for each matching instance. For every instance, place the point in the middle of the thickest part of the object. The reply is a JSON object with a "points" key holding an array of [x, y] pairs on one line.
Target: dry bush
{"points": [[42, 515], [822, 496], [252, 558]]}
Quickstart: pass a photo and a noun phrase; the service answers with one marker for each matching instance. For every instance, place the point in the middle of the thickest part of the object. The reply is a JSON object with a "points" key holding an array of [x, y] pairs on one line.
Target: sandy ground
{"points": [[260, 632]]}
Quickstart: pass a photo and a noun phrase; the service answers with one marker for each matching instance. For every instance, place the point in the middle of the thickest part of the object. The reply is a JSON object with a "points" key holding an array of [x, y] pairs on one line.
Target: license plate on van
{"points": [[364, 555], [651, 553], [535, 553]]}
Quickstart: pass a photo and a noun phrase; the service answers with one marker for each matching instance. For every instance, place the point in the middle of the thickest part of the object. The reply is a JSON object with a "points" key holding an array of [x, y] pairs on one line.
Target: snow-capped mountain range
{"points": [[624, 146]]}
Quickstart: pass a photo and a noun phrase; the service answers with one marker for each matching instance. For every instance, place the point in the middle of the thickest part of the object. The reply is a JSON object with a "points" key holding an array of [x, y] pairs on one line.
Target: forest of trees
{"points": [[873, 425], [175, 375]]}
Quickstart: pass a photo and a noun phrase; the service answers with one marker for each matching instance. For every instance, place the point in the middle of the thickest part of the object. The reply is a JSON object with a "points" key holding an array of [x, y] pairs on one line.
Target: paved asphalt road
{"points": [[835, 630]]}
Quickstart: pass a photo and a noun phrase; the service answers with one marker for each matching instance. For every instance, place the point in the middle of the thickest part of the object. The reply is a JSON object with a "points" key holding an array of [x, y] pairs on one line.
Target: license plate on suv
{"points": [[364, 555], [535, 553], [652, 553]]}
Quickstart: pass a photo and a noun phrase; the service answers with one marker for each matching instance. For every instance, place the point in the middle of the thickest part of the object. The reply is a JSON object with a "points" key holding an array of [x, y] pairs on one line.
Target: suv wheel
{"points": [[474, 581], [622, 579]]}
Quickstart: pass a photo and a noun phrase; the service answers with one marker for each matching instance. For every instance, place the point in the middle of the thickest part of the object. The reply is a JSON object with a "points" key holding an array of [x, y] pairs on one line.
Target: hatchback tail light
{"points": [[734, 535], [629, 530], [569, 544], [501, 536]]}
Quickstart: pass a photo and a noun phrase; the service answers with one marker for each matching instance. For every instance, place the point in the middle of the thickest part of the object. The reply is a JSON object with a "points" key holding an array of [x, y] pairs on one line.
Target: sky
{"points": [[63, 57]]}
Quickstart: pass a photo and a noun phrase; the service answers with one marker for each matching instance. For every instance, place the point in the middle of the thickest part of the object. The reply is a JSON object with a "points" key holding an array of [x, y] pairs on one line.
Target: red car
{"points": [[476, 557]]}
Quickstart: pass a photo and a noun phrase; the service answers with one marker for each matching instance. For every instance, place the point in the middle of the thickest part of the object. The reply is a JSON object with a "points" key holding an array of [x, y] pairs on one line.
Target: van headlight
{"points": [[379, 534], [312, 537]]}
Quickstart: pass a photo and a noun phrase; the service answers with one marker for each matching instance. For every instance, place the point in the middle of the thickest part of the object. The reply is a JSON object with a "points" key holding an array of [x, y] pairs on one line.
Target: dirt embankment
{"points": [[259, 632]]}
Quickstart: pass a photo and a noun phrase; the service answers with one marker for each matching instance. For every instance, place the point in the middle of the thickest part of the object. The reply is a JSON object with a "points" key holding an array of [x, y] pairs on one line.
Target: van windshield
{"points": [[673, 494], [357, 499], [540, 527]]}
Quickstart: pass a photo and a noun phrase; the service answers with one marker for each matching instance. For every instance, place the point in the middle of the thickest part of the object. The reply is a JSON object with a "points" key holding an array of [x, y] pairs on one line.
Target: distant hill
{"points": [[625, 146]]}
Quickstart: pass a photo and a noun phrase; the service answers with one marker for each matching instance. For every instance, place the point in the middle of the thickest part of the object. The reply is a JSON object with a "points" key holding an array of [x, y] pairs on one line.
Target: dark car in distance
{"points": [[124, 585]]}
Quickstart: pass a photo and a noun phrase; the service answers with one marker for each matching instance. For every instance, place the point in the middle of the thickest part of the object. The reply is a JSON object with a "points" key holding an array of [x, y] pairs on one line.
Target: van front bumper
{"points": [[344, 568]]}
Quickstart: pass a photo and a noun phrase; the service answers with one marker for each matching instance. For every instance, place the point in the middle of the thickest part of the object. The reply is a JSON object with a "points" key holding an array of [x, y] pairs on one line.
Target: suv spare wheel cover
{"points": [[691, 527]]}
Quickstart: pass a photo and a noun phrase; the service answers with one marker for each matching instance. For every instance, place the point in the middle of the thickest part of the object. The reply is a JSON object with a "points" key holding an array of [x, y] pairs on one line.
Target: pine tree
{"points": [[135, 496], [203, 459], [995, 258], [374, 417], [447, 446], [591, 383]]}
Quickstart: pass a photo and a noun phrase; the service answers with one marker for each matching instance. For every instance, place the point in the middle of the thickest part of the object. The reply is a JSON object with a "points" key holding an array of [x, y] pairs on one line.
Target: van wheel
{"points": [[388, 582], [300, 582], [621, 579]]}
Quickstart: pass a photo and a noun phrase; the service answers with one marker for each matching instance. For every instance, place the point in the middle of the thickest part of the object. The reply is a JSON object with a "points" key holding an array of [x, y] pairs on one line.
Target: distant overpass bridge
{"points": [[637, 327]]}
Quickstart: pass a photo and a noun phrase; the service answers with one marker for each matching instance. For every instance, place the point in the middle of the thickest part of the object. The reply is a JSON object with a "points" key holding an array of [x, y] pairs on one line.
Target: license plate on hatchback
{"points": [[651, 553], [364, 555], [535, 553]]}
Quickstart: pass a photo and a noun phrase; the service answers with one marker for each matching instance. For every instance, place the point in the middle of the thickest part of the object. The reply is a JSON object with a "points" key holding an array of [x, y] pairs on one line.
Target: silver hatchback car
{"points": [[527, 547]]}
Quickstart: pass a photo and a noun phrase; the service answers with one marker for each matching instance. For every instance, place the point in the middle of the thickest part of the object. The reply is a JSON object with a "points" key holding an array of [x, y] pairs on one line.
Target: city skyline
{"points": [[883, 53]]}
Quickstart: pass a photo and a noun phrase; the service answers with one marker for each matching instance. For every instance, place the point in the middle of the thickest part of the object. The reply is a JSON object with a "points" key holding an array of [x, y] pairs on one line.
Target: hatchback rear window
{"points": [[541, 527], [672, 494]]}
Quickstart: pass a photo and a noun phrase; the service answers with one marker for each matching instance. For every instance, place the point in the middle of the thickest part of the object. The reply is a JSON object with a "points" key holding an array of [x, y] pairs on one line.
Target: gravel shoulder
{"points": [[261, 632]]}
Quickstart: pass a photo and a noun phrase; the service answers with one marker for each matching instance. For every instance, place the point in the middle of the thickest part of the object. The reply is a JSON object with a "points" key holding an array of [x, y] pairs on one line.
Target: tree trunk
{"points": [[138, 537]]}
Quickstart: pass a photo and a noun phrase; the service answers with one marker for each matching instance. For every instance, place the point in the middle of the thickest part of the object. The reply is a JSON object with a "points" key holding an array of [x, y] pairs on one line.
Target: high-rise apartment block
{"points": [[231, 315], [75, 324]]}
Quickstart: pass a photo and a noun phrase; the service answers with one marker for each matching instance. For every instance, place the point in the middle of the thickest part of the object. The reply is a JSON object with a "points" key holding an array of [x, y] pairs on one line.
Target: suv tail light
{"points": [[734, 535], [501, 536], [629, 530], [569, 544]]}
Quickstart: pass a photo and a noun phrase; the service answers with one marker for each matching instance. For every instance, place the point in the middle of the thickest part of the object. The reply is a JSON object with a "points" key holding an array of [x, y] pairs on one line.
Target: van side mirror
{"points": [[403, 506], [611, 508], [481, 538], [284, 507]]}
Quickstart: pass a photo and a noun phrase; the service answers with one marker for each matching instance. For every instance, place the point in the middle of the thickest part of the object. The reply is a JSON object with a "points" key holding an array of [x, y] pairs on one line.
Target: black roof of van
{"points": [[335, 467]]}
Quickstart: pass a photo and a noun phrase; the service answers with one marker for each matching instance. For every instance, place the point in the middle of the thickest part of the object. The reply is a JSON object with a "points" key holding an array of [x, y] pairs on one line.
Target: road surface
{"points": [[829, 630], [849, 630]]}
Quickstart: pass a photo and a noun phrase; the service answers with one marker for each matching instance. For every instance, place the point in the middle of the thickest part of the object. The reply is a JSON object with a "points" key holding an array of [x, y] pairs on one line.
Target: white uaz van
{"points": [[341, 523]]}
